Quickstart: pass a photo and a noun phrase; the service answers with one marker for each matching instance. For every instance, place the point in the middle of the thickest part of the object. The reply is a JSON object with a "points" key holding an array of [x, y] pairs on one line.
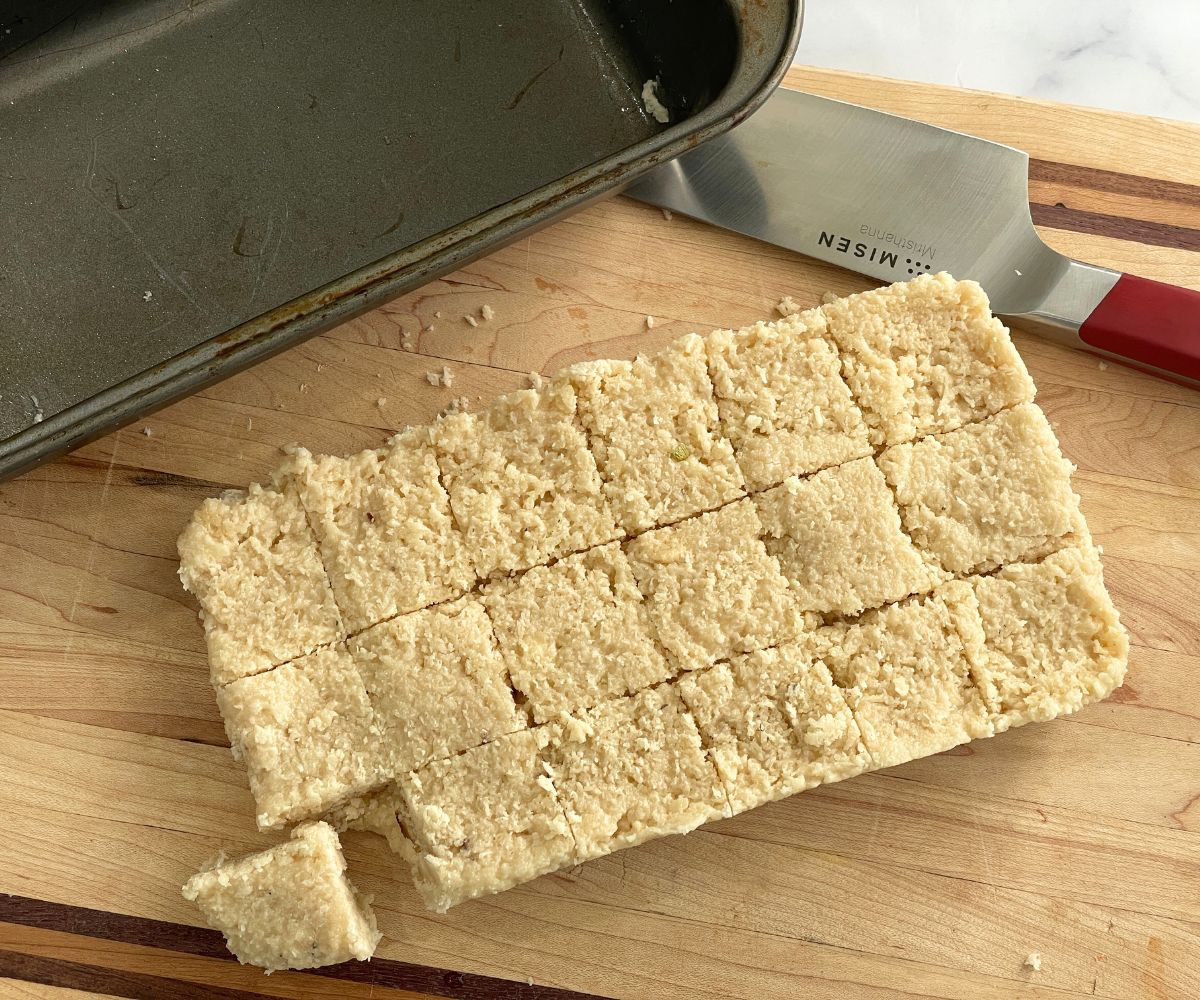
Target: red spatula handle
{"points": [[1150, 323]]}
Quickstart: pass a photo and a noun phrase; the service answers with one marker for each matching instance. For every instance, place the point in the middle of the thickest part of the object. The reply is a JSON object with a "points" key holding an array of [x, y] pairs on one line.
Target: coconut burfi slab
{"points": [[252, 562], [839, 541], [784, 404], [653, 426], [383, 524], [925, 356], [288, 907], [652, 593], [576, 633], [523, 485]]}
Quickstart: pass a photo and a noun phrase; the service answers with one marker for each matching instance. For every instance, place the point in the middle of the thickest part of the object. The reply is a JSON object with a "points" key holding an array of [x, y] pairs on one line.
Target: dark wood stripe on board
{"points": [[1136, 230], [110, 982], [205, 943], [1150, 188]]}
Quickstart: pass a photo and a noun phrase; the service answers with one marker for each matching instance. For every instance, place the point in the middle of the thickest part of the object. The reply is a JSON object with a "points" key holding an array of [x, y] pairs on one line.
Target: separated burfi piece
{"points": [[652, 425], [774, 723], [631, 770], [906, 670], [383, 523], [307, 733], [783, 403], [926, 356], [987, 494], [1054, 641], [711, 588], [288, 907], [437, 683], [253, 564], [839, 542], [523, 486], [483, 821], [576, 633]]}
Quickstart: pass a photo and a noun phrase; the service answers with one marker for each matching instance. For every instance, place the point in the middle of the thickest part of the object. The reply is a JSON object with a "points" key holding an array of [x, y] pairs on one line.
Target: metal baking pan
{"points": [[190, 186]]}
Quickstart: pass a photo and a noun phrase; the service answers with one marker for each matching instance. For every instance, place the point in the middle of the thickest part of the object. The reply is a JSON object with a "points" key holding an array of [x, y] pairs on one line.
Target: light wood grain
{"points": [[1078, 839]]}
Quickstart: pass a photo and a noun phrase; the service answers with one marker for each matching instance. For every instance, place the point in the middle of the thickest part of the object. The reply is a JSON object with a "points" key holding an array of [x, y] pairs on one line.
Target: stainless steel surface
{"points": [[887, 197], [189, 186]]}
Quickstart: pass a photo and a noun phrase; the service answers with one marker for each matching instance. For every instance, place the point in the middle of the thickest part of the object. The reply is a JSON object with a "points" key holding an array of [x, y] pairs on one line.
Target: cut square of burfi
{"points": [[253, 565], [307, 733], [774, 723], [437, 683], [984, 495], [839, 542], [711, 588], [483, 821], [653, 427], [926, 356], [631, 770], [783, 403], [576, 633], [1054, 641], [288, 907], [383, 523], [906, 671], [523, 486]]}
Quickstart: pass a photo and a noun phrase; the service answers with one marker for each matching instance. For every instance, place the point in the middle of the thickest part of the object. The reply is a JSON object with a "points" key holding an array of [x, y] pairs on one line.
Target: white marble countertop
{"points": [[1111, 54]]}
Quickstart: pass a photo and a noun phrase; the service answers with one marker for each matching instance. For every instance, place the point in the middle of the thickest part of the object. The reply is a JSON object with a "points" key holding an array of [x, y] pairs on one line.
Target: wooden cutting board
{"points": [[1077, 839]]}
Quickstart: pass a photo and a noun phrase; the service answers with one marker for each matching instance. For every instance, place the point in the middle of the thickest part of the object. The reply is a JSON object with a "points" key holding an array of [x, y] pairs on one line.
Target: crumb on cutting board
{"points": [[649, 322], [1033, 961], [487, 312], [787, 306]]}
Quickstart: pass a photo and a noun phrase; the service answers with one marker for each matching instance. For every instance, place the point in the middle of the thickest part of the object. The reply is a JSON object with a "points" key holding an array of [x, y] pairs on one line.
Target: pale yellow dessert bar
{"points": [[383, 522], [576, 633], [711, 588], [436, 682], [253, 565], [926, 356], [987, 494], [523, 486], [839, 542], [307, 733], [482, 821], [290, 906], [774, 723], [631, 770], [1054, 641], [906, 670], [652, 425], [782, 399]]}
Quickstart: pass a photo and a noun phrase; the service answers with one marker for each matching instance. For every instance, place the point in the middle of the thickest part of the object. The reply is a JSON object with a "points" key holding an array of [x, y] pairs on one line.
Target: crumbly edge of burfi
{"points": [[926, 356], [652, 425], [502, 789], [986, 494], [310, 866], [373, 509], [1054, 642], [307, 733], [717, 563], [847, 519], [590, 785], [398, 660], [783, 402], [225, 531], [543, 617], [537, 498]]}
